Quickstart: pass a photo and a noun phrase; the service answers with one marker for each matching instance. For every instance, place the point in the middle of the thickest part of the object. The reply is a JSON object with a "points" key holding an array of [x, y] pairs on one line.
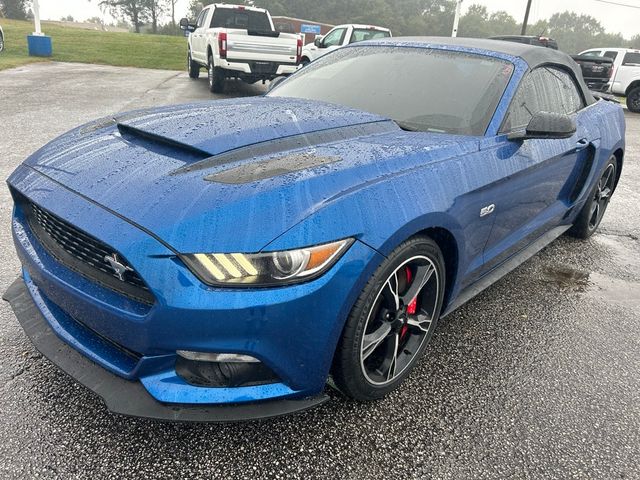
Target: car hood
{"points": [[232, 175]]}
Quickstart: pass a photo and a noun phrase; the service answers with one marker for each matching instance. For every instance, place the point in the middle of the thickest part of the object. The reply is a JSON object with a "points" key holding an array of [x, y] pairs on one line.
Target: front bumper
{"points": [[129, 397]]}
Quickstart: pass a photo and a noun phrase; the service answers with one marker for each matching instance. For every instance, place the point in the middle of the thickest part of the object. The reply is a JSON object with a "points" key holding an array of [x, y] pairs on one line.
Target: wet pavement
{"points": [[537, 377]]}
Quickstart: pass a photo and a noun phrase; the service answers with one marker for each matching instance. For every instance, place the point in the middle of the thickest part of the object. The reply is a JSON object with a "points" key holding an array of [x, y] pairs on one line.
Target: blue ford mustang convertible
{"points": [[223, 260]]}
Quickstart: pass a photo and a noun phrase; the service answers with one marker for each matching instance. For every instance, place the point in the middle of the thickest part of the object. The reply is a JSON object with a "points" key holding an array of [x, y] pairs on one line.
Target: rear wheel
{"points": [[216, 77], [1, 43], [591, 214], [633, 100], [391, 322], [192, 67]]}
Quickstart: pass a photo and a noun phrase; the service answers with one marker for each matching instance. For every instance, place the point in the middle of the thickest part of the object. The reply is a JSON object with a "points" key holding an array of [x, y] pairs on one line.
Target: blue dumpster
{"points": [[39, 45]]}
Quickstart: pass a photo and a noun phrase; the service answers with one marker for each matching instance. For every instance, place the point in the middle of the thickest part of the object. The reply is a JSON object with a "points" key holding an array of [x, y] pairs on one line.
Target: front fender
{"points": [[381, 216]]}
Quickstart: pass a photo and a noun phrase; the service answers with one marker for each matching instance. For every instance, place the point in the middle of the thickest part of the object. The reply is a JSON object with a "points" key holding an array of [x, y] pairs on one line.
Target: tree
{"points": [[574, 32], [475, 23], [155, 10], [68, 18], [136, 11], [96, 20], [16, 9], [172, 7], [635, 41]]}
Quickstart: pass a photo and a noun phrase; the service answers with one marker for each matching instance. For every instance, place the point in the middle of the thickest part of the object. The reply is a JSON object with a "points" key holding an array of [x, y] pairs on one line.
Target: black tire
{"points": [[593, 210], [633, 100], [305, 61], [216, 77], [192, 67], [363, 370], [1, 43]]}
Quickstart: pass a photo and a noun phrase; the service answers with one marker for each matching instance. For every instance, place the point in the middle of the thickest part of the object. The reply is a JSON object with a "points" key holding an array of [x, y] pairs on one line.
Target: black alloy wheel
{"points": [[392, 321], [591, 215]]}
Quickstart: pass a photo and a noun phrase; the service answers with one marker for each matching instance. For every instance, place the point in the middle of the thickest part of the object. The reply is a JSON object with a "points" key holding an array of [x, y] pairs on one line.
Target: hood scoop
{"points": [[149, 140]]}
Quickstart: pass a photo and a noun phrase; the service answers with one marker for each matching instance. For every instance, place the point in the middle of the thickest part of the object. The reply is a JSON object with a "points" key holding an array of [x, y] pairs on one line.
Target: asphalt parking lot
{"points": [[538, 377]]}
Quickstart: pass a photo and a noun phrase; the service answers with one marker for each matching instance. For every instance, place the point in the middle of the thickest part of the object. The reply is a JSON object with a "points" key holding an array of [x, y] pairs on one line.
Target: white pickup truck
{"points": [[340, 36], [234, 41], [625, 77]]}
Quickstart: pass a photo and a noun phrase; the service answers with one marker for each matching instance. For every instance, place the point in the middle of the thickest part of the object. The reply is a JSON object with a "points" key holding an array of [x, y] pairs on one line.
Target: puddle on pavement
{"points": [[611, 290], [567, 278]]}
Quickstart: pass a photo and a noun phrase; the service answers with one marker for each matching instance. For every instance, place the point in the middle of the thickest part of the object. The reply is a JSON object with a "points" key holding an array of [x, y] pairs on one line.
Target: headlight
{"points": [[265, 269]]}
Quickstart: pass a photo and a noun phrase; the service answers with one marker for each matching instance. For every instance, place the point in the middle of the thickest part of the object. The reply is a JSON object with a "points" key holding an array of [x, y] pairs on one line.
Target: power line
{"points": [[618, 4]]}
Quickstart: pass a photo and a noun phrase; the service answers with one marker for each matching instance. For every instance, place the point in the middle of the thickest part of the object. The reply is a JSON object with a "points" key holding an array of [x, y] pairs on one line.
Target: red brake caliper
{"points": [[412, 307]]}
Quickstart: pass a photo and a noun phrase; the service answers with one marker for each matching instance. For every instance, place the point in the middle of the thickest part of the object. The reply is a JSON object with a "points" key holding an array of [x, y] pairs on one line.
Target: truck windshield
{"points": [[421, 89], [243, 19]]}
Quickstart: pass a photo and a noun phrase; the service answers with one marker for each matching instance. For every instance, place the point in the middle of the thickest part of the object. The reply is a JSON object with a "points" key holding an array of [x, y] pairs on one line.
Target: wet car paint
{"points": [[528, 380]]}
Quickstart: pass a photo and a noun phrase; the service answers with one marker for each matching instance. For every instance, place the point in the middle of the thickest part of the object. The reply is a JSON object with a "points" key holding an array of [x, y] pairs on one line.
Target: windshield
{"points": [[421, 89]]}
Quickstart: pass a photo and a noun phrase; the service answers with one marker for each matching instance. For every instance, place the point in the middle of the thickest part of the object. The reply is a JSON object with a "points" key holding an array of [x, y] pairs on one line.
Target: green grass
{"points": [[88, 46]]}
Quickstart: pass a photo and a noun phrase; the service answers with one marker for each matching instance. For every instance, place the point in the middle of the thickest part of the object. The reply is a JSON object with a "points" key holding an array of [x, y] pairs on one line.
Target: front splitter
{"points": [[127, 397]]}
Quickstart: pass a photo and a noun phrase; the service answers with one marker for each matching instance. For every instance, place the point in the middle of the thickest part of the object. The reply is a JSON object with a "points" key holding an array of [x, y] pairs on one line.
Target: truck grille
{"points": [[85, 254]]}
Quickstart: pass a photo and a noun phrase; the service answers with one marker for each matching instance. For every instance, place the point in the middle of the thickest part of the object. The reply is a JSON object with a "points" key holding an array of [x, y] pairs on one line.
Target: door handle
{"points": [[582, 144]]}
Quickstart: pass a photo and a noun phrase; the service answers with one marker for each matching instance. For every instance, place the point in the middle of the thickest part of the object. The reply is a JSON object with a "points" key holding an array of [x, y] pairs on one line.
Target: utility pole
{"points": [[526, 18], [36, 18], [456, 19]]}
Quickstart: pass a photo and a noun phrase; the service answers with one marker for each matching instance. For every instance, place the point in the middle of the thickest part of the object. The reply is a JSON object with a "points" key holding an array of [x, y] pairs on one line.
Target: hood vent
{"points": [[285, 144]]}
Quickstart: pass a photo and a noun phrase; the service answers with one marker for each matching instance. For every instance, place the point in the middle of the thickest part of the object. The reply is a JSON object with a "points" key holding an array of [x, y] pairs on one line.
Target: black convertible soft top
{"points": [[531, 54]]}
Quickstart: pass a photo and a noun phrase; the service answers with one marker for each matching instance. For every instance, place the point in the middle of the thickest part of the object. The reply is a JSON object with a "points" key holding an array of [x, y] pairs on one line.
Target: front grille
{"points": [[85, 254]]}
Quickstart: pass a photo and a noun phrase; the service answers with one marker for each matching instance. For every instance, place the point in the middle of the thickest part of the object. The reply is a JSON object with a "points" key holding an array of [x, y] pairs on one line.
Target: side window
{"points": [[201, 18], [592, 53], [545, 89], [631, 58], [334, 37], [570, 97], [361, 35], [523, 106], [611, 55]]}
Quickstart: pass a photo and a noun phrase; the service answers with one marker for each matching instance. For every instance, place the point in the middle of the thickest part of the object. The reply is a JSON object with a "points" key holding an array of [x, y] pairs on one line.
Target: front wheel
{"points": [[591, 214], [392, 321], [216, 77], [1, 43], [192, 67], [633, 100]]}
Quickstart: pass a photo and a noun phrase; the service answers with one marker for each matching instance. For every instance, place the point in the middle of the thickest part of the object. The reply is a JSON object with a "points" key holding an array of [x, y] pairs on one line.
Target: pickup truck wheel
{"points": [[1, 43], [192, 67], [633, 100], [216, 77]]}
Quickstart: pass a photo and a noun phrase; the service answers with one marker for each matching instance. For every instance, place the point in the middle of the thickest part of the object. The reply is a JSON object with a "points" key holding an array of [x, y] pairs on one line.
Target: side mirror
{"points": [[547, 125], [185, 25], [318, 41], [275, 82]]}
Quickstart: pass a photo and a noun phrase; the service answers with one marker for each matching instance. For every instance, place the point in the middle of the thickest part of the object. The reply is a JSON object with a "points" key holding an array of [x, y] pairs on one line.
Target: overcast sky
{"points": [[625, 20]]}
